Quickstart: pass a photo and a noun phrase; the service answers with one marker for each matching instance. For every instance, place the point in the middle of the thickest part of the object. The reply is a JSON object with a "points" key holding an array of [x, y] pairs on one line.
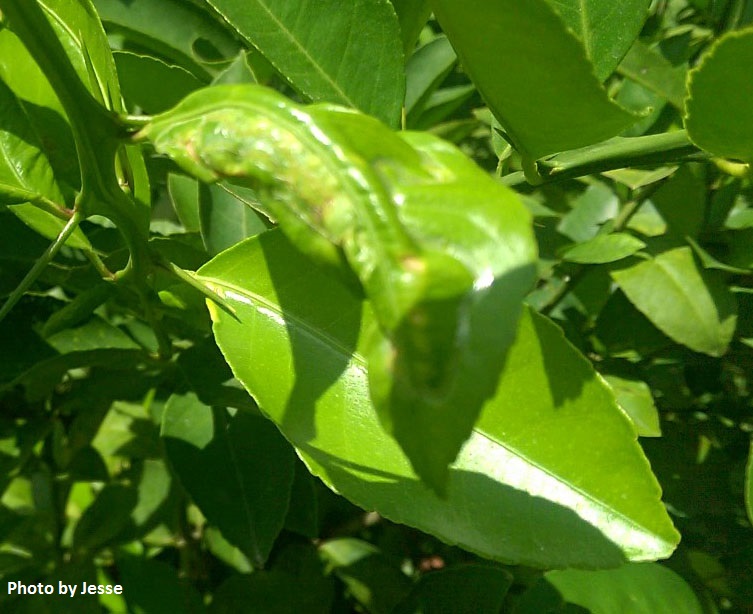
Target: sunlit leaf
{"points": [[296, 346], [690, 305], [551, 101]]}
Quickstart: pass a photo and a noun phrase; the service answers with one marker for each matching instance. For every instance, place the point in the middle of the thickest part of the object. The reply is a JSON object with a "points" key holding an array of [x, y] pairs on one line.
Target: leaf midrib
{"points": [[293, 40], [360, 360]]}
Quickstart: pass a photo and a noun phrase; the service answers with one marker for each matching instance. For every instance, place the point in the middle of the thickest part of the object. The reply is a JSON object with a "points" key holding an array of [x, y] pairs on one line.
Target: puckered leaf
{"points": [[436, 259], [551, 476]]}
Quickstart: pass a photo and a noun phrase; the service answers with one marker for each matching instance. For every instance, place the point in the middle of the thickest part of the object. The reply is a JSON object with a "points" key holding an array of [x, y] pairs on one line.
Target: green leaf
{"points": [[176, 30], [295, 583], [323, 48], [682, 203], [518, 492], [80, 31], [412, 16], [691, 306], [225, 219], [371, 579], [647, 66], [634, 396], [719, 117], [604, 248], [48, 225], [425, 71], [607, 29], [303, 517], [184, 195], [22, 75], [347, 190], [25, 172], [749, 485], [153, 587], [467, 589], [105, 518], [151, 84], [590, 210], [26, 175], [648, 588], [533, 74], [237, 469]]}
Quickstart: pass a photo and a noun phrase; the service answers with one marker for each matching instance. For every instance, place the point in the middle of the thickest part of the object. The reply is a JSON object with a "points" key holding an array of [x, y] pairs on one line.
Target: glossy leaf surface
{"points": [[719, 115], [85, 43], [691, 306], [321, 48], [301, 360], [607, 29], [648, 588], [436, 261], [571, 109], [238, 470], [26, 175]]}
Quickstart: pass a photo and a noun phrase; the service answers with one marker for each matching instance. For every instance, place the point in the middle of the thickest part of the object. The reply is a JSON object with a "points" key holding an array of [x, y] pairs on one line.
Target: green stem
{"points": [[96, 130], [611, 155], [41, 263]]}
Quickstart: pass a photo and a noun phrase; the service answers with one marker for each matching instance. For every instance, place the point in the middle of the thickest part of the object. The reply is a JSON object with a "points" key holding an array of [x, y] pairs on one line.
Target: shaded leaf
{"points": [[295, 583], [154, 587], [682, 203], [20, 73], [468, 589], [237, 469], [749, 485], [26, 175], [517, 493], [369, 577], [151, 84], [549, 99], [719, 117], [225, 219], [323, 48], [691, 306], [179, 31], [303, 515], [104, 520], [426, 70], [646, 65], [412, 16], [184, 194]]}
